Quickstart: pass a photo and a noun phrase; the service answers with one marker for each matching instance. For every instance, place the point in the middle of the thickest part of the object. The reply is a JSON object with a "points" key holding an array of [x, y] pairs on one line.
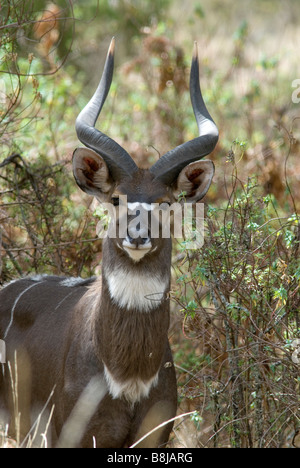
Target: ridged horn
{"points": [[119, 162], [167, 168]]}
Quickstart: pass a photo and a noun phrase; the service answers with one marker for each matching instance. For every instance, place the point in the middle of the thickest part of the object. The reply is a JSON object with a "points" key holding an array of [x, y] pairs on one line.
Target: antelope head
{"points": [[105, 170]]}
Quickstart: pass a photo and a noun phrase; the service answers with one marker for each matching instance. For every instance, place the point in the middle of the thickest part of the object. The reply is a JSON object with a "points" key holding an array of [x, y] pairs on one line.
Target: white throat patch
{"points": [[136, 291], [133, 390]]}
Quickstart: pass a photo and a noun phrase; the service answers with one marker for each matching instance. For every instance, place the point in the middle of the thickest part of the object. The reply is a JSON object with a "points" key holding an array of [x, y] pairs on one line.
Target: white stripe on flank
{"points": [[65, 298], [15, 305]]}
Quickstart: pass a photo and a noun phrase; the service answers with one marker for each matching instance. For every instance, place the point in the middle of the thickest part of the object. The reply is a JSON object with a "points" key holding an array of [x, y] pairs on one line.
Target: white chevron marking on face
{"points": [[137, 205]]}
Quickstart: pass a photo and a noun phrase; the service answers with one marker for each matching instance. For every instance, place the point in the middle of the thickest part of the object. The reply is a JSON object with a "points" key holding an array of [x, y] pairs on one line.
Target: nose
{"points": [[138, 227], [138, 241], [138, 235]]}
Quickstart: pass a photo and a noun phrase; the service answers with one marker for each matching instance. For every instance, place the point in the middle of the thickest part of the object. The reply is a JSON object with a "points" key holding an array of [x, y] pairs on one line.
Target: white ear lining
{"points": [[194, 180], [91, 172]]}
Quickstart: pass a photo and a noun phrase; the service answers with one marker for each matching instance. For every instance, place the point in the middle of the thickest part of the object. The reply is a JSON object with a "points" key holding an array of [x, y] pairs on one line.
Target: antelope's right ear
{"points": [[91, 173]]}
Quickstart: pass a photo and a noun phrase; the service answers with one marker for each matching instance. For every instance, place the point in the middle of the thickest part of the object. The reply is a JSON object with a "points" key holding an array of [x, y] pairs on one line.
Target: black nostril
{"points": [[131, 239], [138, 240]]}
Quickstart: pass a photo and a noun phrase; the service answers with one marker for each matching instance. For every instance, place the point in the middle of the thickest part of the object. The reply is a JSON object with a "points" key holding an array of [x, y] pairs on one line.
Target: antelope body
{"points": [[106, 338]]}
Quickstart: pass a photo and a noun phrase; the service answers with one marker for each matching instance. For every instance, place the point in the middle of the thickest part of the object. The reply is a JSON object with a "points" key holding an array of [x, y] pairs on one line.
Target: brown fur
{"points": [[68, 332], [65, 346]]}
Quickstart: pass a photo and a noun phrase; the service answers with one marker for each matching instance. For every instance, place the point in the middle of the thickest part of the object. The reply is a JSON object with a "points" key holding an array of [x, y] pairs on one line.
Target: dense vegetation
{"points": [[235, 302]]}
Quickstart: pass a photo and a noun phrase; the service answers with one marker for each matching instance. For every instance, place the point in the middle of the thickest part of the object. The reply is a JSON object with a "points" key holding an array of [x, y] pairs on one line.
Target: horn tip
{"points": [[111, 49], [195, 53]]}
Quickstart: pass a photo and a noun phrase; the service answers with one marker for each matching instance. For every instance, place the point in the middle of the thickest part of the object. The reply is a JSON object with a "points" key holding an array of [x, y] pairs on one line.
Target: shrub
{"points": [[240, 302]]}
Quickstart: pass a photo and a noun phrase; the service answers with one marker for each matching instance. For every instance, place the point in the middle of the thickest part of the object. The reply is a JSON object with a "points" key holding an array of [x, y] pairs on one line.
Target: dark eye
{"points": [[115, 201]]}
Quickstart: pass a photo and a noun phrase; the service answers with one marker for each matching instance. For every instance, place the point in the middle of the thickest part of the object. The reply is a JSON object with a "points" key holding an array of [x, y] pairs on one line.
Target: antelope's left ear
{"points": [[194, 180]]}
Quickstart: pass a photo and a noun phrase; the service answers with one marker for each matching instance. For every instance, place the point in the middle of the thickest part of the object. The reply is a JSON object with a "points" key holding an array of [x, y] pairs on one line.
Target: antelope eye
{"points": [[115, 201]]}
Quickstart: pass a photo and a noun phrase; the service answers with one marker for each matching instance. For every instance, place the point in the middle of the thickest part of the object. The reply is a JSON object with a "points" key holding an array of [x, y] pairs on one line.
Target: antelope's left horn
{"points": [[170, 164]]}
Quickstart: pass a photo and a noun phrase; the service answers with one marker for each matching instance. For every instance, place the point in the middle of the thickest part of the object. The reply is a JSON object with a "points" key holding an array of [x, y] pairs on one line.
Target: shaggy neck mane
{"points": [[130, 309]]}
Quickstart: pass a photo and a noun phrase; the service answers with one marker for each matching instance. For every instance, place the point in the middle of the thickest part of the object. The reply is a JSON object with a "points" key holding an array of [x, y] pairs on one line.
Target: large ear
{"points": [[194, 180], [91, 173]]}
